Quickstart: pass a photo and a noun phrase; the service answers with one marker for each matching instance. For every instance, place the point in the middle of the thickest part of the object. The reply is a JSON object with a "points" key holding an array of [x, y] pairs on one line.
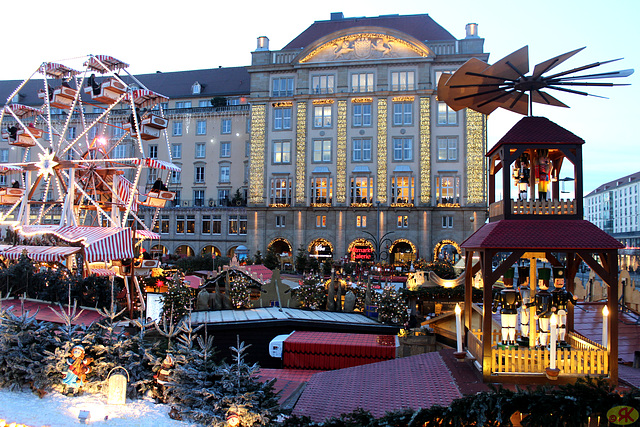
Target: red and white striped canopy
{"points": [[23, 111], [156, 164], [39, 253], [124, 187], [8, 168], [99, 62], [58, 71], [146, 98], [100, 243], [146, 234], [103, 272]]}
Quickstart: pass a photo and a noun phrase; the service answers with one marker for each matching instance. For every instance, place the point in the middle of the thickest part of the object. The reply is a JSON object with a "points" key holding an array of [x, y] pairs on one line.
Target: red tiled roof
{"points": [[537, 130], [287, 380], [88, 315], [422, 27], [541, 234], [411, 382]]}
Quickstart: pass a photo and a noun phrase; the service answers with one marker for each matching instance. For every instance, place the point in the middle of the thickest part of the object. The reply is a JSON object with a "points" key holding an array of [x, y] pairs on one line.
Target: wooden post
{"points": [[612, 303]]}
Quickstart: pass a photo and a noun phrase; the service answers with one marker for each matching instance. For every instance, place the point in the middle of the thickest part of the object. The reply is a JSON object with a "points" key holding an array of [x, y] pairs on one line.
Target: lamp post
{"points": [[378, 242]]}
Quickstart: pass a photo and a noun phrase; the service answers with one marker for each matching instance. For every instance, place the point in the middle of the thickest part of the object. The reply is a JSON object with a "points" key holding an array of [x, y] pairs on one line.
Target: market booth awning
{"points": [[39, 253], [100, 243]]}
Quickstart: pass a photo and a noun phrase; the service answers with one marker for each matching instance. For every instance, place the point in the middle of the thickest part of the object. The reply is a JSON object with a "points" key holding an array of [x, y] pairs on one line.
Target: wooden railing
{"points": [[584, 358], [535, 207]]}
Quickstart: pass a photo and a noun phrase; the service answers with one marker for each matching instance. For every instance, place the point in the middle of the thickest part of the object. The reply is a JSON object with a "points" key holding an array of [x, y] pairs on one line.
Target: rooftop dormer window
{"points": [[195, 89]]}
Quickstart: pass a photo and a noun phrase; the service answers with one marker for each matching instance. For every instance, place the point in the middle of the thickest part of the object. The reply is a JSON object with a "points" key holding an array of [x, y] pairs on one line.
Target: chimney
{"points": [[337, 16], [472, 31], [263, 43]]}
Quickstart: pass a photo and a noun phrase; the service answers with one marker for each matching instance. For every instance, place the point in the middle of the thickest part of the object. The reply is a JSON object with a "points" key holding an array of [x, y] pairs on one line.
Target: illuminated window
{"points": [[322, 190], [322, 84], [448, 189], [216, 224], [361, 150], [282, 118], [361, 221], [281, 152], [361, 115], [164, 224], [206, 224], [180, 224], [362, 82], [446, 116], [402, 189], [447, 149], [362, 189], [321, 221], [403, 80], [191, 224], [403, 221], [402, 113], [280, 192], [322, 116]]}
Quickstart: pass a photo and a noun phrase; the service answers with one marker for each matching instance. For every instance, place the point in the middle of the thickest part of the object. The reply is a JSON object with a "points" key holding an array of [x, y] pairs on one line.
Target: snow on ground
{"points": [[57, 410]]}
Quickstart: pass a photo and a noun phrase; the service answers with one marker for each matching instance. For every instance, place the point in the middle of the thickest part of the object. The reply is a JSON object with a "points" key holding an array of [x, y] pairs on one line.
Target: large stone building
{"points": [[349, 143], [335, 143]]}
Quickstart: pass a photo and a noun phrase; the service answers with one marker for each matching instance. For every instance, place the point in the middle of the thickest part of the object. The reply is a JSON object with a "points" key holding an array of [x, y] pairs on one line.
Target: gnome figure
{"points": [[561, 299], [542, 302], [525, 295], [509, 300]]}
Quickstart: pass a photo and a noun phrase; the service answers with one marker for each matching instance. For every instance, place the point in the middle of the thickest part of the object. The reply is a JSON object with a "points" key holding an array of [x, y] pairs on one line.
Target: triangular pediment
{"points": [[363, 43]]}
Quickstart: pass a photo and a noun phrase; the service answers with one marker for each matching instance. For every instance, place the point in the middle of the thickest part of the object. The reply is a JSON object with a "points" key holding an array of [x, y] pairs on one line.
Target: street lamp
{"points": [[378, 242]]}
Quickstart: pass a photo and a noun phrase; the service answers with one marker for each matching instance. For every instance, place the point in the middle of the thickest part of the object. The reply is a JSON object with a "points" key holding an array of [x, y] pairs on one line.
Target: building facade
{"points": [[613, 207], [352, 155], [336, 144]]}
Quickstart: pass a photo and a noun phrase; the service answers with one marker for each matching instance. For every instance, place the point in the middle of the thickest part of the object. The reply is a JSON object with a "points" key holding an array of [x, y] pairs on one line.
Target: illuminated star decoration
{"points": [[46, 164]]}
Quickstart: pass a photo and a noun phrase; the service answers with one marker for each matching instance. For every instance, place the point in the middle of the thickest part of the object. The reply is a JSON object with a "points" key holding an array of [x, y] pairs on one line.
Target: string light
{"points": [[476, 132], [301, 146], [258, 137], [425, 150], [341, 153], [382, 150]]}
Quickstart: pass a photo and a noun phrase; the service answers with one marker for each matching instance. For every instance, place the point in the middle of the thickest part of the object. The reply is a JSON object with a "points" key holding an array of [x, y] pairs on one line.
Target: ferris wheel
{"points": [[71, 170]]}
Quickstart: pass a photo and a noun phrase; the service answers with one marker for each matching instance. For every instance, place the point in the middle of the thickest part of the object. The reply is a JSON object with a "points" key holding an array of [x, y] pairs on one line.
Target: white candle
{"points": [[459, 327], [552, 344], [605, 327]]}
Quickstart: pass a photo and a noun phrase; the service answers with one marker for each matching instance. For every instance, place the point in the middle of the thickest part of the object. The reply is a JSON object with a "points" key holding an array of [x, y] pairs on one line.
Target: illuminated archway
{"points": [[449, 249], [320, 249], [158, 250], [185, 250], [209, 249], [361, 250], [403, 250], [280, 246]]}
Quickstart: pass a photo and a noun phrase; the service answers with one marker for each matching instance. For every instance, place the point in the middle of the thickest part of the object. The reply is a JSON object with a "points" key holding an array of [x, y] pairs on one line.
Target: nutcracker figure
{"points": [[525, 294], [542, 303], [509, 300], [561, 298], [521, 175], [543, 172]]}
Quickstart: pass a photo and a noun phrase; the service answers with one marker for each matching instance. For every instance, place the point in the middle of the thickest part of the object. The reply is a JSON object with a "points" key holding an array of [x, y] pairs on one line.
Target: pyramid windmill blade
{"points": [[610, 74], [512, 66], [541, 97], [549, 64], [462, 85]]}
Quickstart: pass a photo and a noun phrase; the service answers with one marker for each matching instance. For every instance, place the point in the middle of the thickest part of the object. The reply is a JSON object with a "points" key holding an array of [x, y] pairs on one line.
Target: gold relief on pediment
{"points": [[365, 46]]}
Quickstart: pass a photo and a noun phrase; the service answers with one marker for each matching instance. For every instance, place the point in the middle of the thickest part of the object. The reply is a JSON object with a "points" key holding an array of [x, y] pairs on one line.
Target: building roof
{"points": [[537, 130], [634, 177], [230, 81], [416, 382], [422, 27], [541, 234]]}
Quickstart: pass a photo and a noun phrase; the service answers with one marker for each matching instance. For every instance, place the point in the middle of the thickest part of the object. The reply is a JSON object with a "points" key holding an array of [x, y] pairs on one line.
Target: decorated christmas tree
{"points": [[392, 307]]}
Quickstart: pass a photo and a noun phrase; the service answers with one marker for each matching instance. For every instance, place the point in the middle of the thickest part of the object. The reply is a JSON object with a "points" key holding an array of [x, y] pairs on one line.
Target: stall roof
{"points": [[39, 253], [275, 313], [541, 234]]}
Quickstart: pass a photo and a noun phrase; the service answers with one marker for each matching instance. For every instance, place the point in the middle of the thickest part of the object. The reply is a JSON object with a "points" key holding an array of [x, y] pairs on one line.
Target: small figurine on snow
{"points": [[163, 377], [76, 374]]}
